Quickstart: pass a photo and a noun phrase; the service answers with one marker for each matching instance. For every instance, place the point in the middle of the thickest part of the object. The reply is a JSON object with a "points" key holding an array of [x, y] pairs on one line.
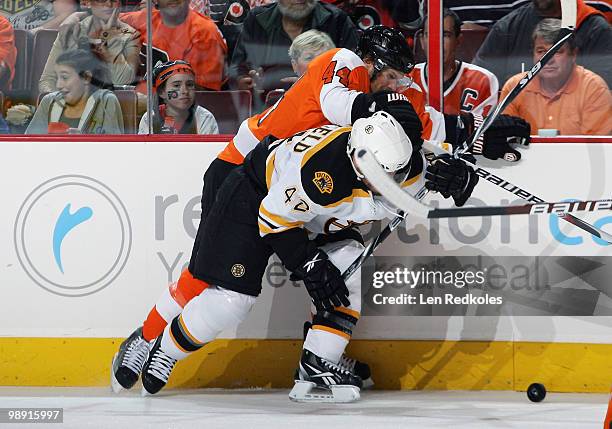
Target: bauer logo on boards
{"points": [[72, 235]]}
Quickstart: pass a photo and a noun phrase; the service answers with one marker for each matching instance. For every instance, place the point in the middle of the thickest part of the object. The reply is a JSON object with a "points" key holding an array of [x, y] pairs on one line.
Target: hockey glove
{"points": [[505, 130], [451, 177], [395, 104], [323, 281]]}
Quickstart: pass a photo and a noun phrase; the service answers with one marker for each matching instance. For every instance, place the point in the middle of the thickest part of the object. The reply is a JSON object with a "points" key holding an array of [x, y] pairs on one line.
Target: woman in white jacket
{"points": [[175, 110], [82, 101]]}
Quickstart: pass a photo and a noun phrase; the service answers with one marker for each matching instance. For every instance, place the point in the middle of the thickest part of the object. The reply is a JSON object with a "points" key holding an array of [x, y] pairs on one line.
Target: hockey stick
{"points": [[525, 195], [382, 236], [370, 248], [405, 202], [568, 24]]}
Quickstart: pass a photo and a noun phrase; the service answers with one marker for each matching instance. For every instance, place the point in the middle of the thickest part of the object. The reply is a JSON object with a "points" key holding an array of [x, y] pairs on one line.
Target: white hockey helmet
{"points": [[384, 137]]}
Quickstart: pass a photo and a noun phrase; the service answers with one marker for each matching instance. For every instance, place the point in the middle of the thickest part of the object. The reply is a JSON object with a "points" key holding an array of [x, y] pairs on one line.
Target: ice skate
{"points": [[319, 380], [360, 369], [128, 361], [157, 369]]}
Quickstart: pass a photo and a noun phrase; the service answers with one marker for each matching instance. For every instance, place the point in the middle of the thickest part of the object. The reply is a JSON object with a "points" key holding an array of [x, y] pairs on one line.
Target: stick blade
{"points": [[371, 169]]}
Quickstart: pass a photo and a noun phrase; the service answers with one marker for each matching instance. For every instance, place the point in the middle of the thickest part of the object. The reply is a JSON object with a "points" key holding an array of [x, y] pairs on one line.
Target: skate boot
{"points": [[357, 367], [320, 380], [128, 361], [360, 369], [157, 369]]}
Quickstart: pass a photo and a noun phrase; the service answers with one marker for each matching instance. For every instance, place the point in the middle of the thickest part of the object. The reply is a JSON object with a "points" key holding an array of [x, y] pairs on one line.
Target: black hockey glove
{"points": [[397, 105], [505, 130], [323, 281], [451, 177]]}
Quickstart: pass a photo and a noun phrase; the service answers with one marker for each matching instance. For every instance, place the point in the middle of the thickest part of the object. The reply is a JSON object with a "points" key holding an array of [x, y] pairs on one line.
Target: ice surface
{"points": [[269, 409]]}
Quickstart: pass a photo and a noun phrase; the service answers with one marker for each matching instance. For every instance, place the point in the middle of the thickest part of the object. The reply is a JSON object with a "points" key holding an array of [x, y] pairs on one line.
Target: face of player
{"points": [[173, 8], [450, 41], [388, 79], [179, 93], [560, 66], [300, 66], [73, 87], [296, 9], [103, 9]]}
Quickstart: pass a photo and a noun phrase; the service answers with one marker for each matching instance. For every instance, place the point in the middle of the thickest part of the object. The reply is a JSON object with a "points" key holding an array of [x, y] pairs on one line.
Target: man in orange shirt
{"points": [[183, 34], [564, 96]]}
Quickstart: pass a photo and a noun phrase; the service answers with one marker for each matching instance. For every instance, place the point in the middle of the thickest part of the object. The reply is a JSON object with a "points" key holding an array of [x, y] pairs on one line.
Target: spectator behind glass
{"points": [[305, 48], [8, 54], [175, 109], [182, 34], [467, 88], [563, 96], [38, 15], [81, 101], [260, 58], [113, 41], [509, 43]]}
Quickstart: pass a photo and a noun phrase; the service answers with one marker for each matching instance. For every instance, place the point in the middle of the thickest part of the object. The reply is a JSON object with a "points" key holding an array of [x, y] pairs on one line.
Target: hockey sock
{"points": [[170, 303], [331, 332]]}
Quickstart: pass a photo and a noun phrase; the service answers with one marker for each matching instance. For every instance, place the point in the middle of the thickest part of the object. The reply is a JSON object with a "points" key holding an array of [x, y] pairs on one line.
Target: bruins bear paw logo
{"points": [[324, 182]]}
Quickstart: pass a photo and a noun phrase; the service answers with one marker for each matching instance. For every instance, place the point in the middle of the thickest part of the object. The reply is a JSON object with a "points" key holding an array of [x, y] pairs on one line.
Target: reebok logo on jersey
{"points": [[324, 182]]}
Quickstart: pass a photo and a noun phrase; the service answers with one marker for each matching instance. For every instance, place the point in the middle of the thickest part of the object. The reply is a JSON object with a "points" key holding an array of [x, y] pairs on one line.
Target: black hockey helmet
{"points": [[387, 47]]}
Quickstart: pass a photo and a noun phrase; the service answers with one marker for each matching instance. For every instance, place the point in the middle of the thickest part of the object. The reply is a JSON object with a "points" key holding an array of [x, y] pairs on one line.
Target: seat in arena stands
{"points": [[23, 43], [230, 108], [128, 100], [43, 41]]}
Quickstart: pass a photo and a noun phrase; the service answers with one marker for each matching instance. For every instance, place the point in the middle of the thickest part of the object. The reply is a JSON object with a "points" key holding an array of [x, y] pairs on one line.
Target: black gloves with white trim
{"points": [[451, 177], [311, 265], [323, 281], [496, 142]]}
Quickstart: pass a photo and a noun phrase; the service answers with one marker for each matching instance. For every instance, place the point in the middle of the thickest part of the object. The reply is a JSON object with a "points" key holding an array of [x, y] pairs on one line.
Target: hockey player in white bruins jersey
{"points": [[286, 192]]}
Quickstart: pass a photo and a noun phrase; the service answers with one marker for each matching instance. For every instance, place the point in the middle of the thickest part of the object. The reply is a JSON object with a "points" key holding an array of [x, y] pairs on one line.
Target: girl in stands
{"points": [[82, 102], [174, 109]]}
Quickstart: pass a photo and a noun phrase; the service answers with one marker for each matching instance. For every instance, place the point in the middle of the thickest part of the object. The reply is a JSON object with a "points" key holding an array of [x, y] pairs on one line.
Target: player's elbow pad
{"points": [[291, 246], [361, 107]]}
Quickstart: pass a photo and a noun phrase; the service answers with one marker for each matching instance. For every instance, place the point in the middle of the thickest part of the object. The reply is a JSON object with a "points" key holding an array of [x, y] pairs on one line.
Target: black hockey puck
{"points": [[536, 392]]}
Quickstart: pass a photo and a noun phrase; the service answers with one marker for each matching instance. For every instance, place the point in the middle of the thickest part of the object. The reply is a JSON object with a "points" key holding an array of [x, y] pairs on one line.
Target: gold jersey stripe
{"points": [[326, 140], [275, 219]]}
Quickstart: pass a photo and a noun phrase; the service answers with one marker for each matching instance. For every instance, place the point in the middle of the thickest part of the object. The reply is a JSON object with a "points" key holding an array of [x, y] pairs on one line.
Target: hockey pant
{"points": [[179, 293], [217, 309]]}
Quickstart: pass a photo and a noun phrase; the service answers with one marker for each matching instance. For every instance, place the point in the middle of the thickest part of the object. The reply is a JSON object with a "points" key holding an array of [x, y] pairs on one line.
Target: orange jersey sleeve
{"points": [[323, 95]]}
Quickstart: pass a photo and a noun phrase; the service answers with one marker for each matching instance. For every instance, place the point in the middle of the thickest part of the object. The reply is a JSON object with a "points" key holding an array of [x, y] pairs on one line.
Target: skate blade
{"points": [[306, 391], [115, 386]]}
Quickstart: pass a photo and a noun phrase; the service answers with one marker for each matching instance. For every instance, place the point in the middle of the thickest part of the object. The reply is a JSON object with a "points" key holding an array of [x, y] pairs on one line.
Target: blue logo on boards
{"points": [[72, 235], [65, 223]]}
